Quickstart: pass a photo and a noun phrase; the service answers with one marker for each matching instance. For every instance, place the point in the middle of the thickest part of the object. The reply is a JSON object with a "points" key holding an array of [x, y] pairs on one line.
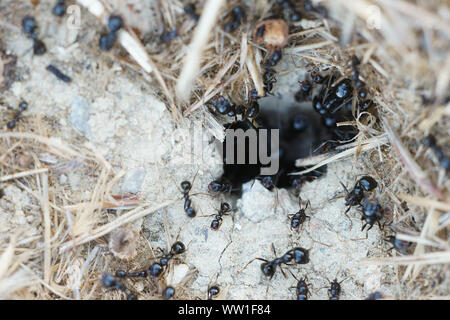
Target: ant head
{"points": [[268, 269], [214, 186], [225, 206], [178, 248], [213, 291], [168, 292], [186, 186], [368, 183], [108, 280]]}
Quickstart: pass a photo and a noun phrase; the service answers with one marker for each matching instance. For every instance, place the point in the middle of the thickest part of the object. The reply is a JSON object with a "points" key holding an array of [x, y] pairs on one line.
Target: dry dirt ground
{"points": [[111, 109]]}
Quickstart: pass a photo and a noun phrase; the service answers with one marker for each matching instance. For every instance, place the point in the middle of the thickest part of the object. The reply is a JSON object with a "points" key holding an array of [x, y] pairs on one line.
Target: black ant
{"points": [[362, 93], [335, 290], [217, 222], [305, 90], [294, 14], [107, 40], [156, 268], [22, 107], [320, 10], [298, 218], [375, 296], [302, 289], [268, 182], [213, 291], [354, 197], [430, 141], [168, 35], [59, 9], [297, 255], [237, 14], [397, 244], [273, 59], [268, 80], [221, 104], [29, 26], [109, 281], [168, 292], [186, 187], [218, 186], [371, 212]]}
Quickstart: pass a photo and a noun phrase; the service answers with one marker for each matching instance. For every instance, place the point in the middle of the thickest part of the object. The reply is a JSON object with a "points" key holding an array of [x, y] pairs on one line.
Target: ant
{"points": [[237, 14], [29, 26], [302, 289], [305, 90], [217, 222], [371, 212], [430, 141], [297, 255], [269, 79], [268, 182], [221, 105], [168, 292], [107, 40], [218, 186], [156, 268], [354, 197], [213, 291], [186, 187], [22, 107], [397, 244], [59, 9], [294, 14], [298, 218], [335, 290], [168, 35], [109, 281], [375, 296], [273, 59], [362, 93]]}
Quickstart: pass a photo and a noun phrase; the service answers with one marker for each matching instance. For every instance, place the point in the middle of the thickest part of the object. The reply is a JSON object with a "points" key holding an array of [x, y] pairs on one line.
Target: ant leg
{"points": [[293, 276], [346, 190], [367, 236], [364, 225], [282, 271], [379, 225], [261, 259], [273, 249], [348, 217], [268, 285]]}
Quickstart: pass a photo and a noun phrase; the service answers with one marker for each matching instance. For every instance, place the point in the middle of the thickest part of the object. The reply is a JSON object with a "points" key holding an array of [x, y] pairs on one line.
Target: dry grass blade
{"points": [[425, 202], [441, 257], [107, 228], [23, 174], [193, 59], [413, 168], [365, 146]]}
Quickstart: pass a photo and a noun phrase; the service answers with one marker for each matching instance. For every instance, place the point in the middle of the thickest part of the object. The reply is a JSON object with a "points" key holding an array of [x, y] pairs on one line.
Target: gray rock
{"points": [[79, 114]]}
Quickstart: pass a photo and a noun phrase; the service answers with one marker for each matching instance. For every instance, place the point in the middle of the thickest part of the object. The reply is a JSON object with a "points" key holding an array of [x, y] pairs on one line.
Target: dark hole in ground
{"points": [[303, 132]]}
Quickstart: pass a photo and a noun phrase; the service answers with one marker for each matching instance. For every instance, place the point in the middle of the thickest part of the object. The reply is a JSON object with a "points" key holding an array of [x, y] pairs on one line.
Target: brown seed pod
{"points": [[271, 32], [123, 243]]}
